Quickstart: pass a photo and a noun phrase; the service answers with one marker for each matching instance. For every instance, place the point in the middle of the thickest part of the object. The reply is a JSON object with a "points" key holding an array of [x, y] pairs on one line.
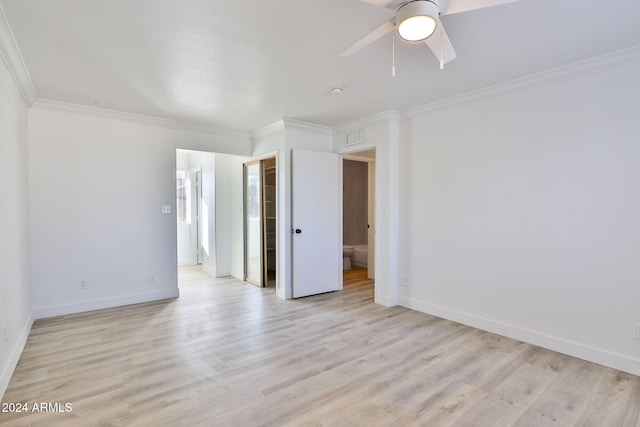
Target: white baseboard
{"points": [[16, 352], [60, 310], [581, 351], [385, 301]]}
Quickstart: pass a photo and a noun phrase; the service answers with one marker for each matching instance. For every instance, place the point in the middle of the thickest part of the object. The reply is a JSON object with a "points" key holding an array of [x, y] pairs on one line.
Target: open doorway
{"points": [[188, 209], [209, 213], [359, 214]]}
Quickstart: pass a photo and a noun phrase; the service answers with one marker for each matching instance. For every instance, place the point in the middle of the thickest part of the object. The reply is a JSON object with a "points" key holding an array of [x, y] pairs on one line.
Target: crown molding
{"points": [[10, 53], [390, 115], [287, 123], [571, 71], [47, 104], [267, 130], [299, 124]]}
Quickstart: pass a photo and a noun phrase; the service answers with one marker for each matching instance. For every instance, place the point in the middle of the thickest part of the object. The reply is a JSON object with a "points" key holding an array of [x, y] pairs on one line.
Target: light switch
{"points": [[166, 209]]}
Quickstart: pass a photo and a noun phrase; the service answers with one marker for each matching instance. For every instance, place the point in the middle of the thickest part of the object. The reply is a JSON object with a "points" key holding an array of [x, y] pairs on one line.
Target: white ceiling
{"points": [[246, 64]]}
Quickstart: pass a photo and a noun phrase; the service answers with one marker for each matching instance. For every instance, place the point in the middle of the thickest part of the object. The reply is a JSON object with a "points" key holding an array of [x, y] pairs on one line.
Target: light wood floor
{"points": [[230, 354]]}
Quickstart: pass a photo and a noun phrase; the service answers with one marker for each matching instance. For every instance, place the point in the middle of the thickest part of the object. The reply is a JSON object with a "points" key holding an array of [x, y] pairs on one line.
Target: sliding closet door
{"points": [[253, 223]]}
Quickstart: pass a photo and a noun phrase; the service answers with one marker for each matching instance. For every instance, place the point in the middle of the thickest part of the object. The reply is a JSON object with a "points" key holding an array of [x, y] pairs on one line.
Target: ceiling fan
{"points": [[420, 20]]}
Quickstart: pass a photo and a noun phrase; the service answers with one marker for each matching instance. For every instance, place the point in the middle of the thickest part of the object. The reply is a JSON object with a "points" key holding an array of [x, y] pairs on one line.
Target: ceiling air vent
{"points": [[355, 137]]}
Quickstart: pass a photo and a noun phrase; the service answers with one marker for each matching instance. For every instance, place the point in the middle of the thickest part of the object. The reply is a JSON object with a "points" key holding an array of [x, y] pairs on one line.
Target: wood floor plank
{"points": [[379, 385], [231, 354], [613, 402], [567, 397], [446, 408], [508, 400]]}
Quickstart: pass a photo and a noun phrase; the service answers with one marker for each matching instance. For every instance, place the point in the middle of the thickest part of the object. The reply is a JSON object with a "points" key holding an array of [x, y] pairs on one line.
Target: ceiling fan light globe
{"points": [[417, 20], [417, 28]]}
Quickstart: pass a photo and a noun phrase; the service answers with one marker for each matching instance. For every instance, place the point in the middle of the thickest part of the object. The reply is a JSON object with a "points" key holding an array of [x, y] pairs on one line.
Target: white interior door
{"points": [[316, 219]]}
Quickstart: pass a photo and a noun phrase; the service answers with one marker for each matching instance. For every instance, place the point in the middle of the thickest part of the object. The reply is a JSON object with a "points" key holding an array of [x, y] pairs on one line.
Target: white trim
{"points": [[571, 348], [385, 301], [14, 356], [60, 310], [48, 104], [357, 158], [10, 54], [287, 123], [572, 71], [267, 130], [299, 124], [363, 122]]}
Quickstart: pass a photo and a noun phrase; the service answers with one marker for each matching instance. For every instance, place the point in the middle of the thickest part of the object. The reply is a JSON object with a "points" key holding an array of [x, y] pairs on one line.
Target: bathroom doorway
{"points": [[359, 213]]}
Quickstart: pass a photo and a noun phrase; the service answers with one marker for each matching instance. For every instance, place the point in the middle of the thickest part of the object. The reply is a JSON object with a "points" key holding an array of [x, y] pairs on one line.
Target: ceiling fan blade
{"points": [[382, 30], [449, 7], [441, 46]]}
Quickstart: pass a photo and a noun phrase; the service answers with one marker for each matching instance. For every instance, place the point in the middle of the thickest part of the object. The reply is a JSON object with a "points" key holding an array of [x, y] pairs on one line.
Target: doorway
{"points": [[188, 210], [210, 225], [359, 194], [260, 221]]}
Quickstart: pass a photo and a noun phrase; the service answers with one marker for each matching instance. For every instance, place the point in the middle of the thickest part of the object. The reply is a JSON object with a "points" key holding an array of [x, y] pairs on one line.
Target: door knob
{"points": [[298, 231]]}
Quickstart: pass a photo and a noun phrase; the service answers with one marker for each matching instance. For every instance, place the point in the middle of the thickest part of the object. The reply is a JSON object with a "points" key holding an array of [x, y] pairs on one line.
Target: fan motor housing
{"points": [[417, 20]]}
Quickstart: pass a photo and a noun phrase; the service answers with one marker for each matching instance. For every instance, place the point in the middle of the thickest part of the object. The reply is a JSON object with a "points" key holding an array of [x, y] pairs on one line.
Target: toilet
{"points": [[347, 252]]}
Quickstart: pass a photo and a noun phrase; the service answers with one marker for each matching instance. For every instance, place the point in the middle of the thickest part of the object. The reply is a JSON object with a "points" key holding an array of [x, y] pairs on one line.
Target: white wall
{"points": [[521, 210], [15, 276], [97, 185], [223, 214]]}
